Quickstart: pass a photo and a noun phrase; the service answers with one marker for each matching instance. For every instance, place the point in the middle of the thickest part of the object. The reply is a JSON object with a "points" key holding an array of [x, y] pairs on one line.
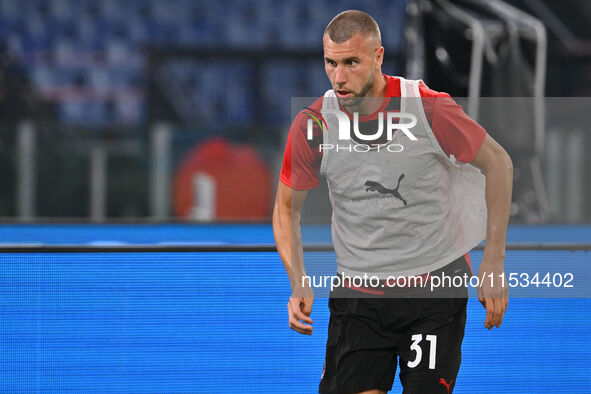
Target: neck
{"points": [[379, 87]]}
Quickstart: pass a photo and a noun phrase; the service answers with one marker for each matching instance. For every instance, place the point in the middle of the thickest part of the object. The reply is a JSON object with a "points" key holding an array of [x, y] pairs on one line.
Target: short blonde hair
{"points": [[348, 23]]}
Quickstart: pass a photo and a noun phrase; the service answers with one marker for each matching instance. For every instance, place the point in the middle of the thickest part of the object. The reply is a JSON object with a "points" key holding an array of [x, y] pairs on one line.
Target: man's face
{"points": [[351, 66]]}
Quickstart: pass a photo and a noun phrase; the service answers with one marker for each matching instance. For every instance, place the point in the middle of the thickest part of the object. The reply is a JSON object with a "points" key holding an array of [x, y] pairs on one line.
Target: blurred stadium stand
{"points": [[89, 57]]}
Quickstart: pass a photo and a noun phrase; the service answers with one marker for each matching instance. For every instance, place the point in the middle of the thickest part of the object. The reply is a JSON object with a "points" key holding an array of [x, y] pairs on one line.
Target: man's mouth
{"points": [[344, 94]]}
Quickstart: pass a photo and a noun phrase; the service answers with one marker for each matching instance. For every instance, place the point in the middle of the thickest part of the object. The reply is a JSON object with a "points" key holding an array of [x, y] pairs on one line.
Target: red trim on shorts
{"points": [[467, 258], [365, 290], [384, 283]]}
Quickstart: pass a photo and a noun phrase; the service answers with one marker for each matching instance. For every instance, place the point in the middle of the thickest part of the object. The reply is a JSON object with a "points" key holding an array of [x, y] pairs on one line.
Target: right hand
{"points": [[299, 310]]}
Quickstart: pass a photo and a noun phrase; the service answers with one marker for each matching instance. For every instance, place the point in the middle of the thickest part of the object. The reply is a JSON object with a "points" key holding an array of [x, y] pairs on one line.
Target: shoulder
{"points": [[392, 86], [310, 112], [427, 92], [424, 90]]}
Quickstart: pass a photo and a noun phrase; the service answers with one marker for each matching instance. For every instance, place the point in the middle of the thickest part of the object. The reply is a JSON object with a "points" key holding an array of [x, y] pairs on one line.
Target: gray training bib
{"points": [[404, 207]]}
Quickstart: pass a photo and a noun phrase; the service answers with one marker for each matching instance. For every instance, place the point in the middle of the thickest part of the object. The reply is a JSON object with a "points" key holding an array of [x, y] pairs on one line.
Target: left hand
{"points": [[493, 292]]}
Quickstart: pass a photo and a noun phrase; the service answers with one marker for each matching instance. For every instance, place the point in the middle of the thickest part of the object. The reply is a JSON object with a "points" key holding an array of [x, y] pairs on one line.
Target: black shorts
{"points": [[368, 336]]}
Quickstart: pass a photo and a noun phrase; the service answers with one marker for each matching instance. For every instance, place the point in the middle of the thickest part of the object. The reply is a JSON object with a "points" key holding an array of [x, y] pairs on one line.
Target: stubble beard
{"points": [[354, 103]]}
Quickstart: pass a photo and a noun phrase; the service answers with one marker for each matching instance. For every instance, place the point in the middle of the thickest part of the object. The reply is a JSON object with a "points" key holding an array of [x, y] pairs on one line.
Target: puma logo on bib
{"points": [[375, 186]]}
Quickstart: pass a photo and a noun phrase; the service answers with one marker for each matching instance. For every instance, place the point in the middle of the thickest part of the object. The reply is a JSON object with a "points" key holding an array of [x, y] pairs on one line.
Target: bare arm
{"points": [[288, 238], [496, 164], [287, 232]]}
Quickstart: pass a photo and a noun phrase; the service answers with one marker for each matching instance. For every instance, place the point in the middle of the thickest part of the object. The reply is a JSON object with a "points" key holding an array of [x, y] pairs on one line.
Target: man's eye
{"points": [[352, 62]]}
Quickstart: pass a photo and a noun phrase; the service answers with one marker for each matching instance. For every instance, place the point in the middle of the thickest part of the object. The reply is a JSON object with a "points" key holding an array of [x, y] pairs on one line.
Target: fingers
{"points": [[495, 311], [295, 315], [489, 306], [306, 307], [302, 309]]}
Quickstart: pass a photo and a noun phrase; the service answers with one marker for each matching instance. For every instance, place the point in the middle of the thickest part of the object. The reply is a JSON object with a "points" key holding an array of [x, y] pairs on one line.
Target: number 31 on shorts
{"points": [[416, 339]]}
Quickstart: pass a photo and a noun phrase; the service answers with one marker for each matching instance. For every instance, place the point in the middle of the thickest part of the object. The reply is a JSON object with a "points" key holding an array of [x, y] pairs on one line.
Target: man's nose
{"points": [[339, 76]]}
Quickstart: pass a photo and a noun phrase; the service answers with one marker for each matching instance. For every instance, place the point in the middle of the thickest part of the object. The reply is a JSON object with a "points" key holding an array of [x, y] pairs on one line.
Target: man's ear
{"points": [[379, 55]]}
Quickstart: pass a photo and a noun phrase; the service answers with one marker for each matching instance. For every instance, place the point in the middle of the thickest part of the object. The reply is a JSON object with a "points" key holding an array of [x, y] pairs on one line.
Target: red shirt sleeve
{"points": [[301, 160], [457, 133]]}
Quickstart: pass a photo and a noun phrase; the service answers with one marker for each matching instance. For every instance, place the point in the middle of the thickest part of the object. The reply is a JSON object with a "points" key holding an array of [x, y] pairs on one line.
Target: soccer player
{"points": [[412, 203]]}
